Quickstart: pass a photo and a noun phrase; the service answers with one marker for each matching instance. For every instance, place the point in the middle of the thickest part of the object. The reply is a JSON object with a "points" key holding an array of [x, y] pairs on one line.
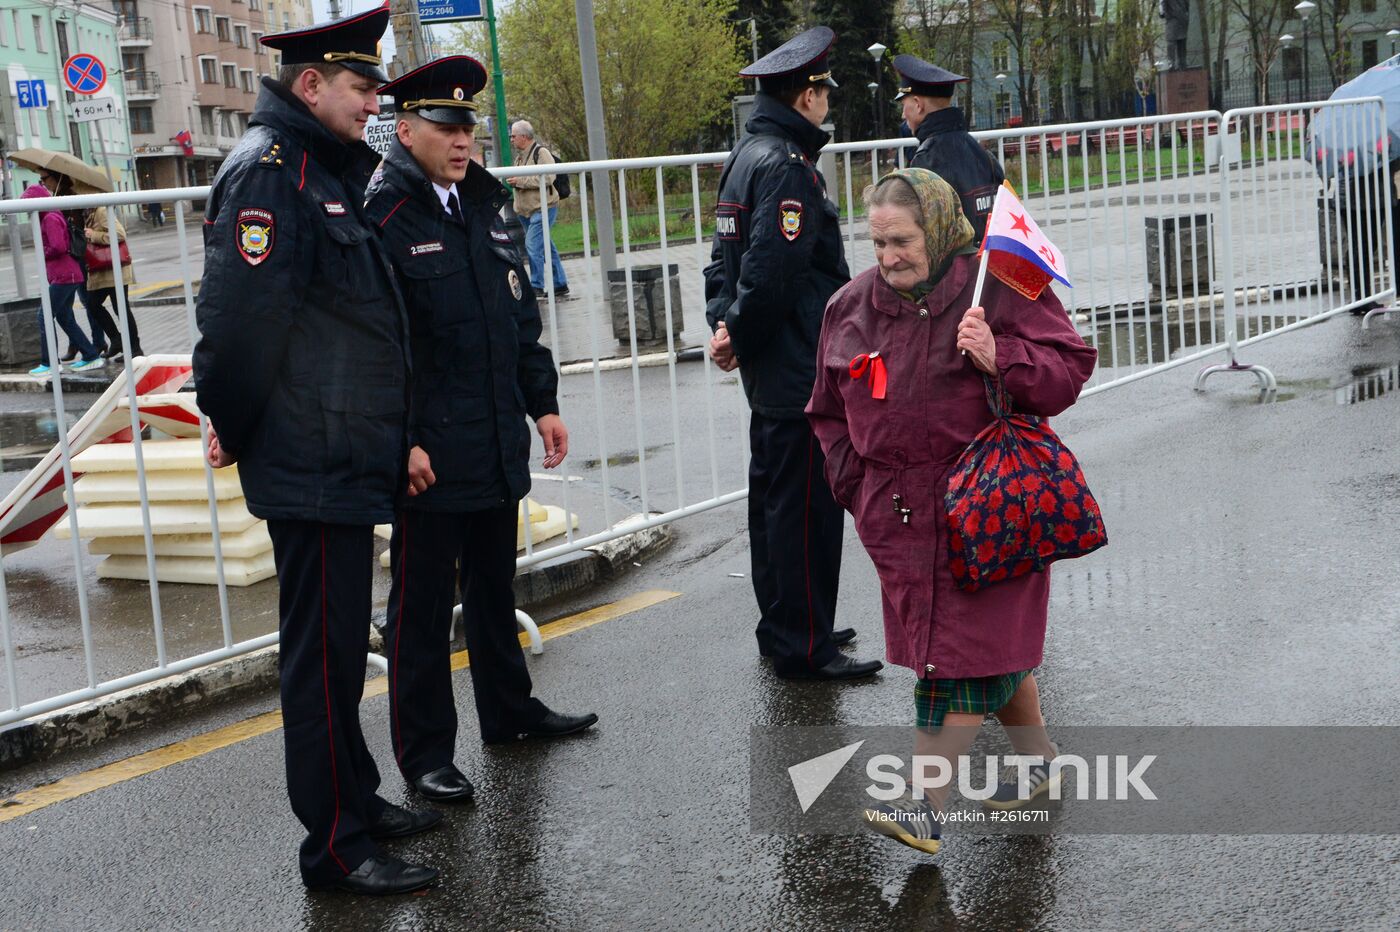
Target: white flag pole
{"points": [[977, 289]]}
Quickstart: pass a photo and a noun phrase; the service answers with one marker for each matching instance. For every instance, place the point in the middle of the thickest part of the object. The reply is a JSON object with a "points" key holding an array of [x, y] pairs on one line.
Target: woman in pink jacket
{"points": [[889, 448], [65, 279]]}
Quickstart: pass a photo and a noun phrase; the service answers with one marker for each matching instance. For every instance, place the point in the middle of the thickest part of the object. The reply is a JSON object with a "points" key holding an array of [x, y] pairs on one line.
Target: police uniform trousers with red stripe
{"points": [[795, 532], [426, 549], [324, 572]]}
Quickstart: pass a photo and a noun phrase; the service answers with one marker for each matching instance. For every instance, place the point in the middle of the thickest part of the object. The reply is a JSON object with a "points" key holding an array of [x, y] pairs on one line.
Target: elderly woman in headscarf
{"points": [[899, 394]]}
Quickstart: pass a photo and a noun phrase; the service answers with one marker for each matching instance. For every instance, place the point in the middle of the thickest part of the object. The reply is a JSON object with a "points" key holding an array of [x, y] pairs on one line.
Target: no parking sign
{"points": [[84, 73]]}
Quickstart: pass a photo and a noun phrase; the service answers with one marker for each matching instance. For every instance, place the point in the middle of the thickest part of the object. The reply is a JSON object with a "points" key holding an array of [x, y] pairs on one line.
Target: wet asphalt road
{"points": [[1250, 579]]}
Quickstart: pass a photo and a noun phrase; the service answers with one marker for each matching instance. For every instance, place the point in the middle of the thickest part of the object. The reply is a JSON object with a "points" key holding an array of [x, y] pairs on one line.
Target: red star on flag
{"points": [[1020, 224]]}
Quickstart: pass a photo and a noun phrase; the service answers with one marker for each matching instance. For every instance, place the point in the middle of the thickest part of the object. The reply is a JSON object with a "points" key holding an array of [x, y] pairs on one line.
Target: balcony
{"points": [[141, 85], [135, 31]]}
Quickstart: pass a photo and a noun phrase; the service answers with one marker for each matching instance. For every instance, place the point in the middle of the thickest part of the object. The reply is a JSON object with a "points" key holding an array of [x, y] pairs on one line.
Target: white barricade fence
{"points": [[1186, 235]]}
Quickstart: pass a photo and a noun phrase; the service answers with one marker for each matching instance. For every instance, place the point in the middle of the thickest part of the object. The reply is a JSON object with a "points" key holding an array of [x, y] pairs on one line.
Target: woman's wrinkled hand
{"points": [[975, 338]]}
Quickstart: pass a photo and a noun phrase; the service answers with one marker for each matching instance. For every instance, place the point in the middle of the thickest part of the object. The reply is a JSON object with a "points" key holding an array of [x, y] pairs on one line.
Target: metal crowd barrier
{"points": [[1213, 281]]}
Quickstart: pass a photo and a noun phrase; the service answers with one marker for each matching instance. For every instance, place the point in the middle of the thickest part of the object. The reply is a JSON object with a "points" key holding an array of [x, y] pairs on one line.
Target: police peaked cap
{"points": [[926, 79], [352, 42], [440, 91], [798, 62]]}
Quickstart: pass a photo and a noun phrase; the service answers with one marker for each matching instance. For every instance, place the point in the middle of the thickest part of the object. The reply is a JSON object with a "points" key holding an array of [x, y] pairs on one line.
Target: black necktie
{"points": [[452, 210]]}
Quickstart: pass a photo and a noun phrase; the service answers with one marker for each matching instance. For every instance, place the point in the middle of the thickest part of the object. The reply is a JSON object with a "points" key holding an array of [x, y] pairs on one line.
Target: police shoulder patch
{"points": [[790, 218], [253, 232]]}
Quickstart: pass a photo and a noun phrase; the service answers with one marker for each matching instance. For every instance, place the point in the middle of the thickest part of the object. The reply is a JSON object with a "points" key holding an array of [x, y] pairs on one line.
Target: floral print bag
{"points": [[1016, 501]]}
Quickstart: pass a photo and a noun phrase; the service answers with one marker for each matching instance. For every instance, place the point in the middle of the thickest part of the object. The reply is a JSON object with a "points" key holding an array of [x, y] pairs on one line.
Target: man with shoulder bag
{"points": [[528, 151]]}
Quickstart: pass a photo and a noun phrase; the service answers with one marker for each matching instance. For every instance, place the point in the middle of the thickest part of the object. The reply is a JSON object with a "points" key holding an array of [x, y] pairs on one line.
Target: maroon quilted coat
{"points": [[906, 443]]}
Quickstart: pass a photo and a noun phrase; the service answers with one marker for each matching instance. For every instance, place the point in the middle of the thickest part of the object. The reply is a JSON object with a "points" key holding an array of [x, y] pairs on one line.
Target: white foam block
{"points": [[553, 525], [157, 454], [175, 485], [198, 570], [250, 543], [106, 520]]}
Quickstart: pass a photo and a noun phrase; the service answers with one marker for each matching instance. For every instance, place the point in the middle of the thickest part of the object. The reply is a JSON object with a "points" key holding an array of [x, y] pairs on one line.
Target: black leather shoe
{"points": [[553, 725], [444, 785], [839, 667], [398, 822], [383, 875]]}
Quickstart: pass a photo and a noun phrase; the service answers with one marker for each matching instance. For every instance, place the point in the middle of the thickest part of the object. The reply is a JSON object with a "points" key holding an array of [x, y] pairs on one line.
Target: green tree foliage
{"points": [[667, 70], [857, 26]]}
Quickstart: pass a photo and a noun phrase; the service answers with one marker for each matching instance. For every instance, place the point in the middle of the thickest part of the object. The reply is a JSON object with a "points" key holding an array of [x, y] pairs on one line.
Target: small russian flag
{"points": [[1016, 252]]}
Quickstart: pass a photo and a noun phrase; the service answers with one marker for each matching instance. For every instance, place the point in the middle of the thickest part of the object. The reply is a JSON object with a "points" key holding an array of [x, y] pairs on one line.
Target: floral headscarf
{"points": [[946, 230]]}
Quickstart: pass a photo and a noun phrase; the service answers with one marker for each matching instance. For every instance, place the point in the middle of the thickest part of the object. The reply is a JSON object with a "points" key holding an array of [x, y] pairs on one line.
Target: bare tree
{"points": [[1260, 21]]}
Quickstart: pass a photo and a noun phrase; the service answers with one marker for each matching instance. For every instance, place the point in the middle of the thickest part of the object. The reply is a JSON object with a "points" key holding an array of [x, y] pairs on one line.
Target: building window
{"points": [[19, 36], [184, 68], [240, 36], [230, 75], [52, 113], [208, 70], [1370, 51], [206, 120], [226, 124], [203, 19], [141, 120], [258, 47], [39, 34], [246, 76], [1368, 6], [1001, 55], [4, 35], [255, 4], [221, 28], [1003, 107]]}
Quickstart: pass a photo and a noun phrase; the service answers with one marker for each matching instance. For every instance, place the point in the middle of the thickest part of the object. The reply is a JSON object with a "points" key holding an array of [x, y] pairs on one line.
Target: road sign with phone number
{"points": [[447, 11]]}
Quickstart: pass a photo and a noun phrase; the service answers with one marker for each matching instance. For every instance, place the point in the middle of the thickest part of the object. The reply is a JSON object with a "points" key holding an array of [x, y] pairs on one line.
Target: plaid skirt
{"points": [[933, 699]]}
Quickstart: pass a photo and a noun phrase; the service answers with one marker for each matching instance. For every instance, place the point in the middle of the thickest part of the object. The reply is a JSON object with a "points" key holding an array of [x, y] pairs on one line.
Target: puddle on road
{"points": [[26, 437], [1368, 383], [626, 458]]}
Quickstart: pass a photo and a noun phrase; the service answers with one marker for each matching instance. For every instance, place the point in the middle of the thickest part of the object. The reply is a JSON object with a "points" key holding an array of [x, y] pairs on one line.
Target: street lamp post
{"points": [[877, 52], [1304, 10], [1392, 34], [1286, 40], [1001, 89]]}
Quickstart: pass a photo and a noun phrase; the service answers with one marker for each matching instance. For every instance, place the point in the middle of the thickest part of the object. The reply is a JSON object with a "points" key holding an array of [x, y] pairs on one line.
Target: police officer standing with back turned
{"points": [[302, 368], [479, 370], [777, 258], [945, 146]]}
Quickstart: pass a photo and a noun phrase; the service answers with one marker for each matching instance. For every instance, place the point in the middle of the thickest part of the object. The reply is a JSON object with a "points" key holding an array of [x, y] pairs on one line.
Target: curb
{"points": [[14, 382], [91, 723]]}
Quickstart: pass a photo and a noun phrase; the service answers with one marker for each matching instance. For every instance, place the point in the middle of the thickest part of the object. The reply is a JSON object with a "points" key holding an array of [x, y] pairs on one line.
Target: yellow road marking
{"points": [[139, 290], [23, 804]]}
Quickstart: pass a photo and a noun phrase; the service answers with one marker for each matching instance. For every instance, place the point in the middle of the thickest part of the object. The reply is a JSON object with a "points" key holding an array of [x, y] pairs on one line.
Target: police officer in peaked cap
{"points": [[479, 372], [945, 146], [777, 258], [303, 370]]}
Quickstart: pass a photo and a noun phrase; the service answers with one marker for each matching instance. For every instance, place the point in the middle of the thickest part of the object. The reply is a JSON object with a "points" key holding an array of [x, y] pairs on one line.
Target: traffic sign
{"points": [[448, 11], [84, 73], [93, 108], [32, 94]]}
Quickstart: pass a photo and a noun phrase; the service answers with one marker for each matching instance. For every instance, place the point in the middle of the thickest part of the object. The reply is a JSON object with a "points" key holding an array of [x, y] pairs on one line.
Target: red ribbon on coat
{"points": [[878, 376]]}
